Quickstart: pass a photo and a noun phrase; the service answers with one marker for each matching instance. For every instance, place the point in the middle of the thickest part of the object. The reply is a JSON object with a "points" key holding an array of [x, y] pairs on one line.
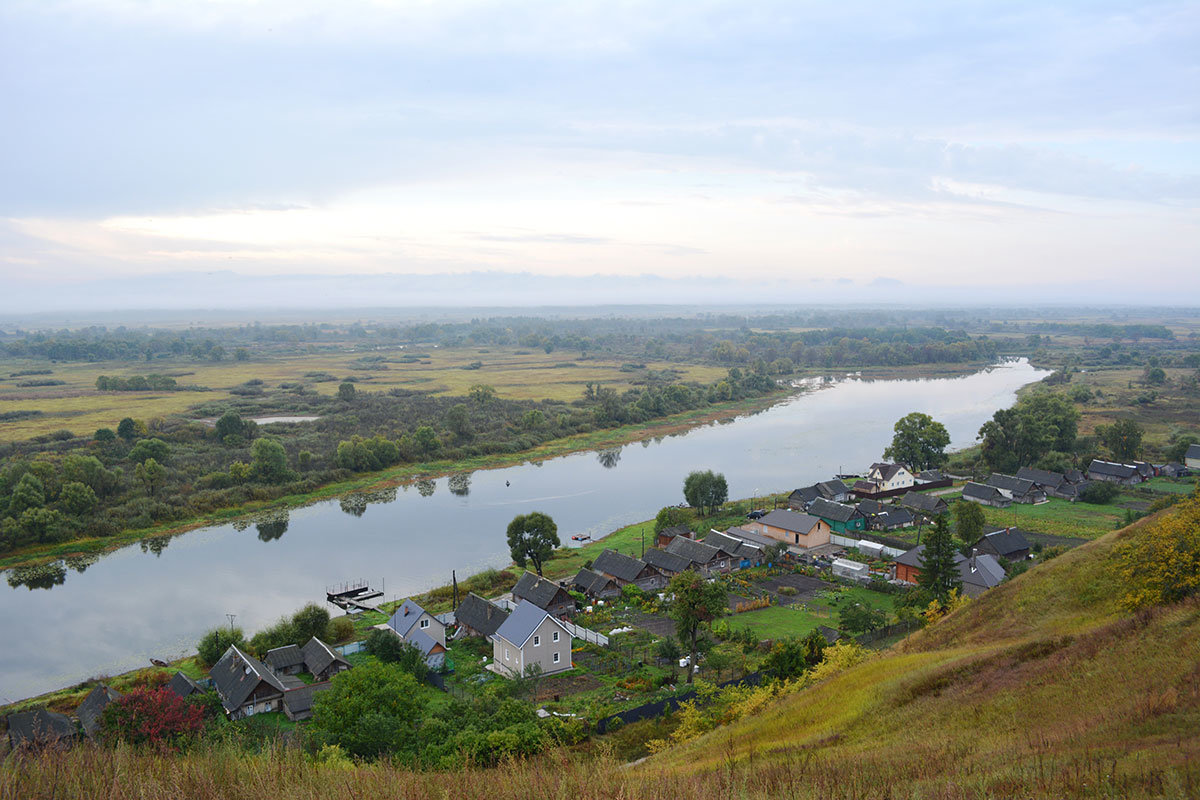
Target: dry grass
{"points": [[78, 407]]}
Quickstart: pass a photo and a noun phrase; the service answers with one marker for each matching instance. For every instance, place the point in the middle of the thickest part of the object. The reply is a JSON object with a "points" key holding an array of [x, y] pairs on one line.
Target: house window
{"points": [[537, 641], [555, 658], [554, 636], [424, 624], [506, 654]]}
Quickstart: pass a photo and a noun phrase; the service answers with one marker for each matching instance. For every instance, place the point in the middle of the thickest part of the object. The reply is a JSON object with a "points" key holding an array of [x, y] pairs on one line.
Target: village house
{"points": [[985, 495], [800, 531], [1191, 459], [743, 554], [978, 572], [766, 545], [476, 616], [1007, 543], [93, 706], [890, 477], [286, 660], [298, 702], [1171, 470], [1112, 472], [929, 505], [669, 564], [410, 618], [323, 662], [626, 569], [893, 519], [834, 491], [1052, 483], [1018, 490], [530, 637], [245, 685], [930, 476], [545, 594], [665, 536], [40, 728], [595, 585], [184, 686], [840, 518], [703, 558]]}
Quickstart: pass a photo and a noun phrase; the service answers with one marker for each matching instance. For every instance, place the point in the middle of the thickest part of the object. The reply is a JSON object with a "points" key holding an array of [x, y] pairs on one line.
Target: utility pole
{"points": [[232, 617]]}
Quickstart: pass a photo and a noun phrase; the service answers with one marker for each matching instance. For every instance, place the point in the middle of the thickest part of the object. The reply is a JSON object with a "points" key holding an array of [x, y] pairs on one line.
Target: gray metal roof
{"points": [[405, 618], [739, 548], [1007, 540], [1112, 468], [887, 471], [538, 590], [790, 520], [913, 558], [300, 700], [424, 643], [237, 674], [623, 567], [1193, 451], [522, 622], [93, 706], [980, 570], [479, 615], [751, 537], [870, 507], [895, 517]]}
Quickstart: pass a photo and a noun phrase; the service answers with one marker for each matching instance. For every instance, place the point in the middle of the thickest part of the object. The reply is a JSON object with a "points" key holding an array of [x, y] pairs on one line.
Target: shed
{"points": [[851, 570]]}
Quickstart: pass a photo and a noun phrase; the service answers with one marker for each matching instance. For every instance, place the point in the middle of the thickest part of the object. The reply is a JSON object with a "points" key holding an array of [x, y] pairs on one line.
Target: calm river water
{"points": [[135, 603]]}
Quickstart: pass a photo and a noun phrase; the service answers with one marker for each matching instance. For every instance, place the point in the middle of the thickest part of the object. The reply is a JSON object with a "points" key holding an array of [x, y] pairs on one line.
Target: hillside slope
{"points": [[1044, 687]]}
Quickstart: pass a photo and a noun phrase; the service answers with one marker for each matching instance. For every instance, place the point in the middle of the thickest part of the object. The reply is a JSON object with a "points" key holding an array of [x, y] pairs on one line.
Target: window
{"points": [[556, 658], [424, 624], [554, 636], [537, 641], [506, 654]]}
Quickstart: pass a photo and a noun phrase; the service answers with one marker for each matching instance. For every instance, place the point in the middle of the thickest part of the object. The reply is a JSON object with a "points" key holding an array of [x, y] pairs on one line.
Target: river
{"points": [[141, 601]]}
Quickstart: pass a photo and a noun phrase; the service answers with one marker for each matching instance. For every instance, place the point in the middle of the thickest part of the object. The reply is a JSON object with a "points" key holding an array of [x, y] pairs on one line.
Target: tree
{"points": [[968, 521], [127, 429], [458, 421], [230, 424], [1156, 376], [426, 439], [268, 461], [705, 490], [391, 649], [669, 517], [532, 538], [939, 572], [369, 711], [346, 392], [1099, 492], [29, 493], [696, 602], [104, 435], [214, 644], [1056, 411], [1123, 439], [151, 473], [1162, 563], [310, 621], [157, 449], [790, 657], [668, 649], [1013, 439], [919, 441], [482, 393], [1177, 451], [78, 498], [156, 717], [859, 618], [241, 354]]}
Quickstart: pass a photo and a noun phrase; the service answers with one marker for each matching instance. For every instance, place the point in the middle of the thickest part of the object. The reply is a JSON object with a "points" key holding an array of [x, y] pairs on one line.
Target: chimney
{"points": [[974, 552]]}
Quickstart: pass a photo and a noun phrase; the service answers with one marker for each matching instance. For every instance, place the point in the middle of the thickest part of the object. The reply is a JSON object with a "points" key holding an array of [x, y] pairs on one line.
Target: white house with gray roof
{"points": [[530, 637], [410, 618]]}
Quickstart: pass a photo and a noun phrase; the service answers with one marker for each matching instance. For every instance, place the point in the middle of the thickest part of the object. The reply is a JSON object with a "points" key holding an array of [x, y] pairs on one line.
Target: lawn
{"points": [[1172, 485], [779, 622], [1057, 517]]}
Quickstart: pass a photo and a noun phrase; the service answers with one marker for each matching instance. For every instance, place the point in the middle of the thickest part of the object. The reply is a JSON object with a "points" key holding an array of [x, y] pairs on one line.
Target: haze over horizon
{"points": [[225, 154]]}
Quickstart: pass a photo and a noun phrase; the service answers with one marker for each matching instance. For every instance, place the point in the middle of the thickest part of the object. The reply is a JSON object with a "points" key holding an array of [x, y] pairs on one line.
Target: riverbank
{"points": [[396, 476]]}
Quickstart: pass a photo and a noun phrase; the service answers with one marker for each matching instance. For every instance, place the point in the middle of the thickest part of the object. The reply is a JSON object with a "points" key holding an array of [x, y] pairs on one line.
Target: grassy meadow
{"points": [[515, 374]]}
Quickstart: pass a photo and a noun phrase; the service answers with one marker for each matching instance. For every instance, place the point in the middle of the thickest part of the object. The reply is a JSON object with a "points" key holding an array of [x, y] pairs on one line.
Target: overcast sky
{"points": [[964, 144]]}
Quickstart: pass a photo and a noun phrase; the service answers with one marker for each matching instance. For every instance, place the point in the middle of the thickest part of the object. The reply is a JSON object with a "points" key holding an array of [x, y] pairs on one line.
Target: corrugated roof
{"points": [[694, 552], [790, 520], [827, 509]]}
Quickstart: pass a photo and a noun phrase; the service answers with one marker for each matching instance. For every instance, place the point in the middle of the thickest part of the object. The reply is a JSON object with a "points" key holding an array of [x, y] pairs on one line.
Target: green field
{"points": [[781, 621]]}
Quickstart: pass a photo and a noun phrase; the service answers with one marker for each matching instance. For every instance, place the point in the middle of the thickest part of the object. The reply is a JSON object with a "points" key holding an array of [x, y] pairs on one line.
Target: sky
{"points": [[156, 153]]}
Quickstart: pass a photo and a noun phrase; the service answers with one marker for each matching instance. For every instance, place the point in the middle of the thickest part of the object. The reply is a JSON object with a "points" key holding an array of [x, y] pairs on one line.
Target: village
{"points": [[834, 560]]}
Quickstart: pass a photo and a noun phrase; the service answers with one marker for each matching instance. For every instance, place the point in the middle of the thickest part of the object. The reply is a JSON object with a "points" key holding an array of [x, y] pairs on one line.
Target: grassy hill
{"points": [[1045, 687]]}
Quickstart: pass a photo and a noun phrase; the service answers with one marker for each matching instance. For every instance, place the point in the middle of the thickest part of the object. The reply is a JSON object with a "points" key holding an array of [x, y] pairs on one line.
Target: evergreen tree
{"points": [[939, 573]]}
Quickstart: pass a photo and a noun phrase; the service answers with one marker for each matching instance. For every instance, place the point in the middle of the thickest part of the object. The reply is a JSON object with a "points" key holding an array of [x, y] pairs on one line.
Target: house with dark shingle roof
{"points": [[703, 558], [298, 702], [743, 553], [476, 616], [841, 518], [834, 490], [286, 660], [245, 685], [928, 504], [322, 661], [668, 564], [1016, 489], [799, 531], [893, 519], [530, 637], [595, 585], [41, 728], [985, 495], [183, 685], [667, 534], [544, 593], [93, 706], [1008, 543], [1053, 483], [626, 569], [1112, 472], [978, 572]]}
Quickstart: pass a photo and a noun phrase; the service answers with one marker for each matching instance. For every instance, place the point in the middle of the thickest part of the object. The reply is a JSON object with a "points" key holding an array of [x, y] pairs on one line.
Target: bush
{"points": [[341, 629], [1099, 493], [156, 717], [214, 644]]}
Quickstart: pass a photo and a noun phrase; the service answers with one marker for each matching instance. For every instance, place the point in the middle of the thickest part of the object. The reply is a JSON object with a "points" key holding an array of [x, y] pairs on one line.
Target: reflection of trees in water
{"points": [[156, 544], [381, 495], [81, 562], [43, 576], [609, 458], [241, 524], [426, 487], [460, 484], [355, 504], [272, 527]]}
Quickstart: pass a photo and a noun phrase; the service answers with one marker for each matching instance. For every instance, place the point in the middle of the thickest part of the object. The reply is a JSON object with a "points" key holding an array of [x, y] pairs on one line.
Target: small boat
{"points": [[581, 537], [159, 662]]}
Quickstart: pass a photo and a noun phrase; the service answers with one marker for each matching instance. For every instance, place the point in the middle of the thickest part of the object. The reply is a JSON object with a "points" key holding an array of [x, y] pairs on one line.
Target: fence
{"points": [[351, 648], [886, 631], [846, 541], [657, 709], [580, 632]]}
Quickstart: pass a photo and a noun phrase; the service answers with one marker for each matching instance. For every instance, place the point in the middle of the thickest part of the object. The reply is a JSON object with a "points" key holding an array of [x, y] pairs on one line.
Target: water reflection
{"points": [[43, 576], [460, 484], [426, 487], [272, 527], [609, 458], [155, 544]]}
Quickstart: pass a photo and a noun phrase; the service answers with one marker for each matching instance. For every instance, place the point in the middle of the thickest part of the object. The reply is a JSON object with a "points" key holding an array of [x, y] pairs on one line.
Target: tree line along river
{"points": [[144, 602]]}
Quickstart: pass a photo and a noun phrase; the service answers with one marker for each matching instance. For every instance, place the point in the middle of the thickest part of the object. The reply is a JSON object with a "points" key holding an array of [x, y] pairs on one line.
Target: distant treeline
{"points": [[1098, 330], [142, 383]]}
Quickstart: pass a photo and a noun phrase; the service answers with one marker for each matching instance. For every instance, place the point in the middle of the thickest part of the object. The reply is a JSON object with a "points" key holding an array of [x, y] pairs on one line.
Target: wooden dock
{"points": [[353, 596]]}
